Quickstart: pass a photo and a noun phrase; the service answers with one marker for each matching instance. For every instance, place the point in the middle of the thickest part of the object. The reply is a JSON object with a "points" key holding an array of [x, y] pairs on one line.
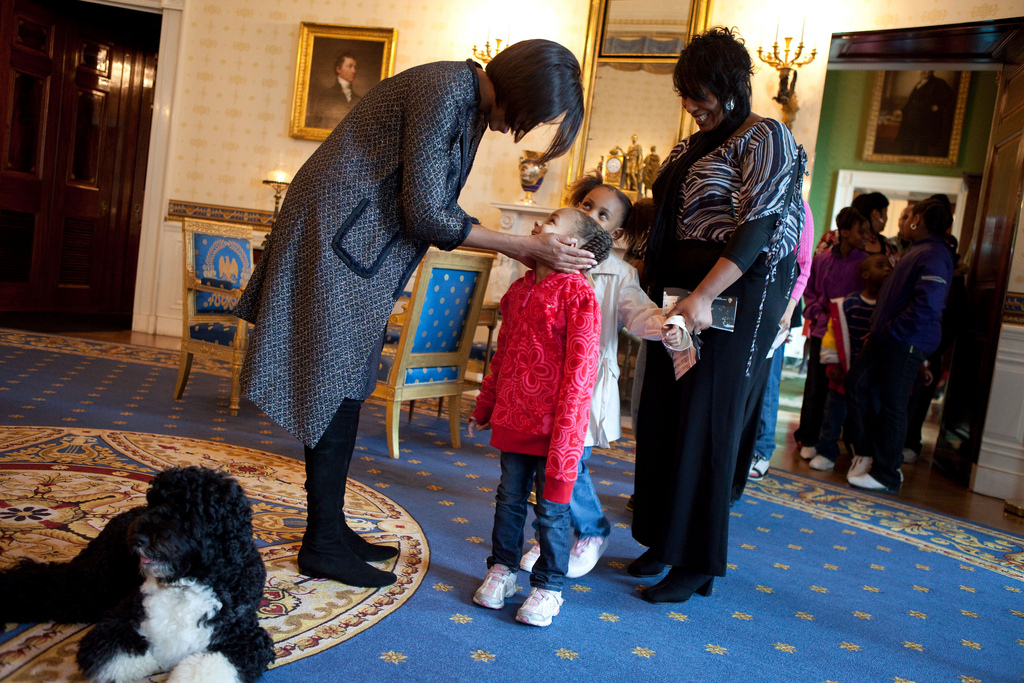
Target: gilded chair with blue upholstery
{"points": [[437, 326], [217, 264]]}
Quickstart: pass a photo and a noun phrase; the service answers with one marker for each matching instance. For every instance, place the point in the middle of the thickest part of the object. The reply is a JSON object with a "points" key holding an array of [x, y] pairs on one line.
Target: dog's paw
{"points": [[205, 667]]}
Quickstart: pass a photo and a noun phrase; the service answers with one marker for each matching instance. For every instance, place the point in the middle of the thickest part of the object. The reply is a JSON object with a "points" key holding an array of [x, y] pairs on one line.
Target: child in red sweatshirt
{"points": [[537, 401]]}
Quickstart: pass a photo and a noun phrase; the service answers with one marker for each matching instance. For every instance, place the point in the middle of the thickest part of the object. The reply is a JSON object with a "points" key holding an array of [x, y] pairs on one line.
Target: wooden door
{"points": [[990, 252], [78, 92]]}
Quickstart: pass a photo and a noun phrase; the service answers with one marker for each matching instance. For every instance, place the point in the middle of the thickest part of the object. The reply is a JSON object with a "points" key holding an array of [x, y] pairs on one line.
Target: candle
{"points": [[802, 27], [779, 21], [278, 177]]}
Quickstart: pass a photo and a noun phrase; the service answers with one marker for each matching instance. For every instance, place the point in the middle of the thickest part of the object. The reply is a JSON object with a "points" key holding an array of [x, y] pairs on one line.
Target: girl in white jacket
{"points": [[623, 304]]}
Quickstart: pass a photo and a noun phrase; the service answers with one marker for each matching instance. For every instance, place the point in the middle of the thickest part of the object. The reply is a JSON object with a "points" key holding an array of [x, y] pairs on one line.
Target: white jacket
{"points": [[623, 304]]}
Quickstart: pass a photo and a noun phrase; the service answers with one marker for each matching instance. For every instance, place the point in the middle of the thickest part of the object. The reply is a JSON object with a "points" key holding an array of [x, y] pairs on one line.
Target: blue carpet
{"points": [[825, 584]]}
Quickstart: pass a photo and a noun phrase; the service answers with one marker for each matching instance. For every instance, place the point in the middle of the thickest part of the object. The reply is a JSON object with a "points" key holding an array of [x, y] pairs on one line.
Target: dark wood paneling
{"points": [[79, 164], [990, 253]]}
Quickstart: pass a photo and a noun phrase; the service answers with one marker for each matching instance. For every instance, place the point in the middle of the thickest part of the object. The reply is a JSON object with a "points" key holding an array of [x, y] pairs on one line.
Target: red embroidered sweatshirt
{"points": [[537, 396]]}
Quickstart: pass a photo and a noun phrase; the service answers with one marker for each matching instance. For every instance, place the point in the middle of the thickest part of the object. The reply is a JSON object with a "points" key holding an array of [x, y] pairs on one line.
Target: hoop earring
{"points": [[730, 105], [913, 226]]}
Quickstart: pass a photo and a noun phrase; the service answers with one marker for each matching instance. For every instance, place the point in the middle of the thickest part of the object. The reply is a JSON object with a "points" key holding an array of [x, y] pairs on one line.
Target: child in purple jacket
{"points": [[834, 274]]}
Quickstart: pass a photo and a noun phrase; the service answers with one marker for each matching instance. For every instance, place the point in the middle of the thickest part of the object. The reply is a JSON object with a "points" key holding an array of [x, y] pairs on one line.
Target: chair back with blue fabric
{"points": [[217, 263], [434, 336]]}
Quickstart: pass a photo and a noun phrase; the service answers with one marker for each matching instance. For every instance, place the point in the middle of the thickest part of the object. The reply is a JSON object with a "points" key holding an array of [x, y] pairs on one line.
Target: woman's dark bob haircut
{"points": [[537, 81], [717, 63], [933, 216]]}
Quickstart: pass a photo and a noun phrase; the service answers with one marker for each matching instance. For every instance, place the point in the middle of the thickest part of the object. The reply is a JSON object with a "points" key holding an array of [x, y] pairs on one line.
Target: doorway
{"points": [[986, 51], [78, 87]]}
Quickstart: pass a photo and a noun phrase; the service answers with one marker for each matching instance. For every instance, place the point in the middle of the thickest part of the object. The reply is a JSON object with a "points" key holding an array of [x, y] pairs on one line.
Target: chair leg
{"points": [[235, 402], [440, 405], [392, 416], [237, 358], [184, 366], [454, 420], [412, 407]]}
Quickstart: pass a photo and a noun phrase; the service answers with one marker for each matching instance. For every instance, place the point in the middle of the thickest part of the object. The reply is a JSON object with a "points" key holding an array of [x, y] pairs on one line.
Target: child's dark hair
{"points": [[865, 265], [592, 236], [848, 218], [636, 218], [582, 186], [944, 200], [934, 214]]}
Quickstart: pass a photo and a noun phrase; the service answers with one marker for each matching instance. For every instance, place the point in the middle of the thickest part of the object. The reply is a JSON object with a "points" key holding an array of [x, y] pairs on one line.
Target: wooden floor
{"points": [[923, 485]]}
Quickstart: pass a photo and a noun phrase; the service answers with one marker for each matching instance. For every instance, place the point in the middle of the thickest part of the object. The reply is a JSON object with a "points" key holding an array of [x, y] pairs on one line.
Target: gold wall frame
{"points": [[895, 136], [319, 102], [594, 57]]}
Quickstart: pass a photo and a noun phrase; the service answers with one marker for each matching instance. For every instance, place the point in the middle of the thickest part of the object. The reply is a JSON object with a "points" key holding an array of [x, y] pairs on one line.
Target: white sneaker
{"points": [[500, 583], [540, 606], [584, 555], [808, 452], [909, 455], [529, 558], [758, 468], [821, 463], [869, 483], [860, 465]]}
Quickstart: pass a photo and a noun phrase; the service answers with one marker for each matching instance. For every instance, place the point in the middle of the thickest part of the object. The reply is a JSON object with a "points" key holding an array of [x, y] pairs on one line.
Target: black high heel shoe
{"points": [[679, 586], [646, 565]]}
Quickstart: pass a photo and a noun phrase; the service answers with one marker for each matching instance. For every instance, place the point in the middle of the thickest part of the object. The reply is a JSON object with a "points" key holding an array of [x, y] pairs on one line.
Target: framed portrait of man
{"points": [[336, 66], [917, 117]]}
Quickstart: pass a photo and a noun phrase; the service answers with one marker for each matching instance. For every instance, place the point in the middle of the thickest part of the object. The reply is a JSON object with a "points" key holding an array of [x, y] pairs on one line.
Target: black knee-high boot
{"points": [[326, 551]]}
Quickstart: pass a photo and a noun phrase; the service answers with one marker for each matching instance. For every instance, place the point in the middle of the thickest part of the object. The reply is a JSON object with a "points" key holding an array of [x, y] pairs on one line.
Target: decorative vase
{"points": [[531, 175]]}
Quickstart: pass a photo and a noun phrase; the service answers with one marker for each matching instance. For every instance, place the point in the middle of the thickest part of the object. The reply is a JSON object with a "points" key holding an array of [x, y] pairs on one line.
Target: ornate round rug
{"points": [[58, 486]]}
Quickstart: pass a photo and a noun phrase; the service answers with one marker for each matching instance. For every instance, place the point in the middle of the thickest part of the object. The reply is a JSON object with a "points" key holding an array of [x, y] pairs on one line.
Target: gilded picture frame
{"points": [[329, 57], [917, 117]]}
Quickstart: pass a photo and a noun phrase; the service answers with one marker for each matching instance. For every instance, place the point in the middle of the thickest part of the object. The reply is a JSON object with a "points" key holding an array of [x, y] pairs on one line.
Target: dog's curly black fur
{"points": [[194, 533]]}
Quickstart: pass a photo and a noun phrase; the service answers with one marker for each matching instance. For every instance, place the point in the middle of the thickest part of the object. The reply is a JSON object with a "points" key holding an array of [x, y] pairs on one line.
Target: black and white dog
{"points": [[174, 586]]}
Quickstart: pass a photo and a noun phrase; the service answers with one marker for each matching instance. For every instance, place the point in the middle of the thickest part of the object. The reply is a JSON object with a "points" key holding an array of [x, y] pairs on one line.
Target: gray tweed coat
{"points": [[357, 219]]}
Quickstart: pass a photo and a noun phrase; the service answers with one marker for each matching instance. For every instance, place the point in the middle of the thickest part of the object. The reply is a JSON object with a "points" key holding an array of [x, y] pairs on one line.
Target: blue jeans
{"points": [[519, 472], [586, 516], [585, 511], [765, 444], [832, 425]]}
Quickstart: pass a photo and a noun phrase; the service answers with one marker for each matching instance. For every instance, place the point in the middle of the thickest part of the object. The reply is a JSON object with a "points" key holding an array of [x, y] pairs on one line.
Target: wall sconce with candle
{"points": [[787, 67], [485, 56], [279, 180]]}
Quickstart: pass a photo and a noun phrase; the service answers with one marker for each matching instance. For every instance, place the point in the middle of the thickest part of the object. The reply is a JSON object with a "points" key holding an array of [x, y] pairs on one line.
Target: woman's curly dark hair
{"points": [[716, 62]]}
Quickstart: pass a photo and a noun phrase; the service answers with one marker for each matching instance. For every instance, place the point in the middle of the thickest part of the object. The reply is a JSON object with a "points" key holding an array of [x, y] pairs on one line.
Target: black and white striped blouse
{"points": [[744, 179]]}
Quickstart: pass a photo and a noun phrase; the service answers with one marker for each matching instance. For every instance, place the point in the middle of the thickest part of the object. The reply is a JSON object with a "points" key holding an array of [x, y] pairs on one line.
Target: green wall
{"points": [[846, 103]]}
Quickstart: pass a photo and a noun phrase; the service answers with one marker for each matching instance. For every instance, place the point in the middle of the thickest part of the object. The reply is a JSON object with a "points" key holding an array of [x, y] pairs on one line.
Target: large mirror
{"points": [[632, 47]]}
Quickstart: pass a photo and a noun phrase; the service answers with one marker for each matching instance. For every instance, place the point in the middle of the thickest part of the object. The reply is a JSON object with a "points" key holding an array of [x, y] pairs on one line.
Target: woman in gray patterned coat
{"points": [[357, 219]]}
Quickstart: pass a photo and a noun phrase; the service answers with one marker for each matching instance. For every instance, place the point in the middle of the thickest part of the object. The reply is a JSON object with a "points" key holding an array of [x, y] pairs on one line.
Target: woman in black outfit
{"points": [[729, 217]]}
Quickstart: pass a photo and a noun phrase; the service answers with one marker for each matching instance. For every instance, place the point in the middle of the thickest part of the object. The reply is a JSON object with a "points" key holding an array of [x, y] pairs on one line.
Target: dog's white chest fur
{"points": [[176, 629], [176, 616]]}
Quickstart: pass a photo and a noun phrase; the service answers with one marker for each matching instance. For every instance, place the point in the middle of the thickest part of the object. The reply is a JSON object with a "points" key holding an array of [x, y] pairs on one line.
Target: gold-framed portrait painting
{"points": [[336, 66], [917, 117]]}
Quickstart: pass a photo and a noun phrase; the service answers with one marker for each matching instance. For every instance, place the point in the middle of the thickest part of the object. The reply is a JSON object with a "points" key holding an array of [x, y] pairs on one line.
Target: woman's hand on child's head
{"points": [[557, 251], [480, 427]]}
